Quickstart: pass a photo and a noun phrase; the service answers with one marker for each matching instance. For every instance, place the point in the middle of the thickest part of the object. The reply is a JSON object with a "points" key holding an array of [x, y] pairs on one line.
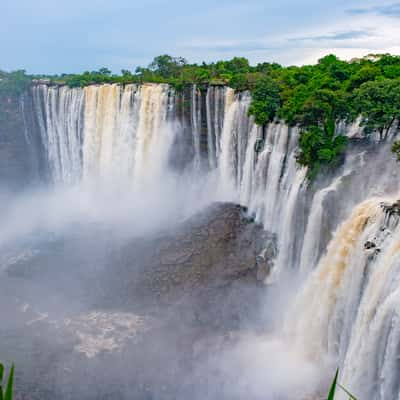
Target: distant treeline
{"points": [[313, 97]]}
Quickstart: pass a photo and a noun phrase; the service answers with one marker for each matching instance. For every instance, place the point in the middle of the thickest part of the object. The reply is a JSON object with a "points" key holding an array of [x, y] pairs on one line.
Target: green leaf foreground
{"points": [[351, 397], [332, 390], [7, 393], [335, 384]]}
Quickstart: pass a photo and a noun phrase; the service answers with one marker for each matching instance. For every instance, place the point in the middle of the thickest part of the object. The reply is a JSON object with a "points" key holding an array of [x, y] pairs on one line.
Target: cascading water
{"points": [[313, 234], [104, 131], [275, 189], [346, 311], [375, 336], [232, 142], [114, 131], [196, 123], [270, 183], [59, 112], [215, 102]]}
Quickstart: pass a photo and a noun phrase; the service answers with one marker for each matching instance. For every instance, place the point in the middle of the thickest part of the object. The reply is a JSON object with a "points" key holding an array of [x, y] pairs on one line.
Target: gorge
{"points": [[108, 171]]}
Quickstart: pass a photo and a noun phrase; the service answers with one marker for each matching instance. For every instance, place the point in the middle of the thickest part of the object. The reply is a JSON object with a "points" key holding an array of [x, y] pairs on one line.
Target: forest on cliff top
{"points": [[313, 97]]}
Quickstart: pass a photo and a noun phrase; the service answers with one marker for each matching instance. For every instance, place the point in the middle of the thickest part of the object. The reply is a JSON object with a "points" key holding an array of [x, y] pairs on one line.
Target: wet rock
{"points": [[392, 208], [176, 256], [369, 245], [265, 261], [214, 248]]}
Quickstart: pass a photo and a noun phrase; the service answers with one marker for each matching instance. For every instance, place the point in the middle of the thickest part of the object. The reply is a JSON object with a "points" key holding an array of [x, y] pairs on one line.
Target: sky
{"points": [[56, 36]]}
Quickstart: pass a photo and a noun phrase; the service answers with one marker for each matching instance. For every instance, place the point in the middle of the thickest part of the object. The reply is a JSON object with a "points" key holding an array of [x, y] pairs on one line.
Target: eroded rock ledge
{"points": [[212, 250]]}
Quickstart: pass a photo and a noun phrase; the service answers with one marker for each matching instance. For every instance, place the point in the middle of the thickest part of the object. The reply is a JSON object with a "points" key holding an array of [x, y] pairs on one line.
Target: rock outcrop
{"points": [[137, 321]]}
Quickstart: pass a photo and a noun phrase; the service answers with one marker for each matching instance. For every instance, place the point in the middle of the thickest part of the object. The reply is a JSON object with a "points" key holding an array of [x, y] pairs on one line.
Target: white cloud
{"points": [[355, 35]]}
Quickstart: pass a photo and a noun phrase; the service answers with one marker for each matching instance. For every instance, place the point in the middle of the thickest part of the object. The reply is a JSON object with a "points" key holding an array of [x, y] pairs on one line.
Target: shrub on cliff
{"points": [[266, 101], [319, 148], [378, 102], [396, 149]]}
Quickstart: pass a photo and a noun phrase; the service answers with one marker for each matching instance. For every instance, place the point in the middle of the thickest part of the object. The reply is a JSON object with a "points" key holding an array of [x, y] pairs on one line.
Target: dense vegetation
{"points": [[312, 97]]}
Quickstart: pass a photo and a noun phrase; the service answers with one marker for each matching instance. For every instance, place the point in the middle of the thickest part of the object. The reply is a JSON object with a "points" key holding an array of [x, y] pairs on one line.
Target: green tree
{"points": [[367, 73], [320, 148], [167, 66], [378, 102], [104, 71], [266, 101], [238, 65]]}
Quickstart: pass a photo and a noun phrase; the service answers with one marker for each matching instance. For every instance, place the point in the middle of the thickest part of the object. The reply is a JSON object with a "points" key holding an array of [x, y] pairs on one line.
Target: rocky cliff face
{"points": [[17, 164], [203, 258]]}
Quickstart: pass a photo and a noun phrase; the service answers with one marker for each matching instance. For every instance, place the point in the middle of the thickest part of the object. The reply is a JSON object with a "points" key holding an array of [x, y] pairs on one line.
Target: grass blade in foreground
{"points": [[351, 397], [7, 394], [332, 390]]}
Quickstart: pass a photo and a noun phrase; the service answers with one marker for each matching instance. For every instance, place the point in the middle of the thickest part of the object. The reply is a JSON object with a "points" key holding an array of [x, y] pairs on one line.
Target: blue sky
{"points": [[54, 36]]}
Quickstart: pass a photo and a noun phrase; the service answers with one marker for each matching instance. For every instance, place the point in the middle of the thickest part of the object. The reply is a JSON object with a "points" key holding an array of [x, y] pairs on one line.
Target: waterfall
{"points": [[196, 123], [375, 337], [270, 183], [102, 130], [125, 131], [272, 187], [313, 235], [128, 132], [60, 121], [215, 102], [106, 131], [346, 311], [316, 304], [350, 282], [228, 141], [132, 132], [154, 136], [348, 308]]}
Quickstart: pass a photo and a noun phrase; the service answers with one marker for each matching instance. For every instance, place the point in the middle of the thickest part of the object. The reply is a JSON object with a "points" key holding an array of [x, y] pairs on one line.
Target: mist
{"points": [[67, 252]]}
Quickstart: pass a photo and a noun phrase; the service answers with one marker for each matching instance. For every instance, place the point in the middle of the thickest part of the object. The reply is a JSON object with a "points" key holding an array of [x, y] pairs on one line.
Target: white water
{"points": [[349, 308], [196, 125], [312, 240], [59, 113], [215, 100], [105, 131], [269, 183], [347, 311], [229, 144]]}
